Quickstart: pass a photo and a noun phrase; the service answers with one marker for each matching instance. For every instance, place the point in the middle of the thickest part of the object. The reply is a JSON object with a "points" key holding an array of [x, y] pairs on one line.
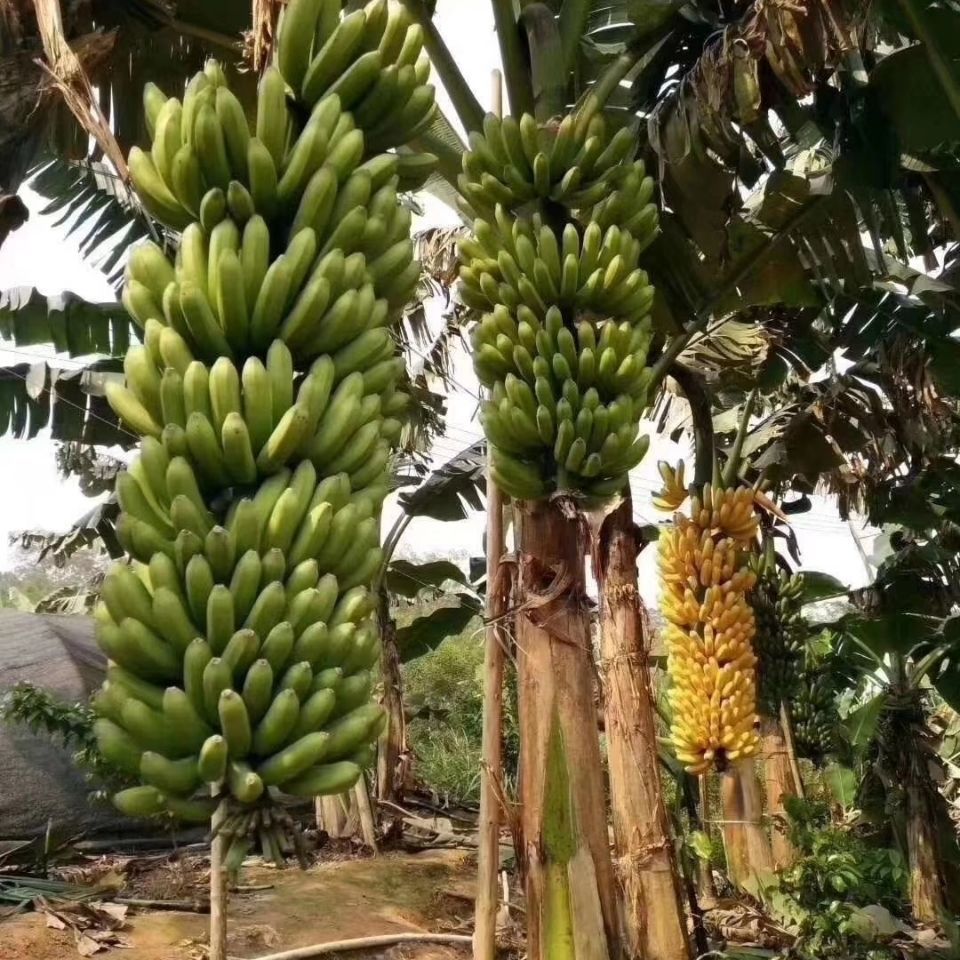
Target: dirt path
{"points": [[332, 901]]}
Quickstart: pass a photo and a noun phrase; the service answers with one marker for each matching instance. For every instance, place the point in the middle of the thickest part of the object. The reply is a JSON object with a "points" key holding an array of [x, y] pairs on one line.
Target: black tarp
{"points": [[38, 780]]}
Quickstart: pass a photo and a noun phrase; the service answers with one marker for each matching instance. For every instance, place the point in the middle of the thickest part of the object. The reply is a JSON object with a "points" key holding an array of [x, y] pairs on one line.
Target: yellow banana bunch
{"points": [[673, 494], [705, 581], [240, 637], [561, 216]]}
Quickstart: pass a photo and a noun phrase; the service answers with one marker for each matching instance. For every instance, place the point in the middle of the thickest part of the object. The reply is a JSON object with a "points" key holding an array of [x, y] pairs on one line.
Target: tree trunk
{"points": [[778, 783], [391, 757], [926, 883], [654, 920], [749, 859], [570, 887]]}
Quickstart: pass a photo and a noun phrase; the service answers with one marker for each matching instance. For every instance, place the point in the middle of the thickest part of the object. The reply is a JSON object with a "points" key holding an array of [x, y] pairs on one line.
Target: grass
{"points": [[443, 691]]}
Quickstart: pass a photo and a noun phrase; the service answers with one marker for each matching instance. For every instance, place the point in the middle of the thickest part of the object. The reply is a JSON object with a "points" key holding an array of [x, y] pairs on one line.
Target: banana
{"points": [[271, 302], [208, 141], [333, 57], [213, 208], [272, 116], [301, 253], [154, 194], [262, 178], [240, 202], [131, 411], [357, 79], [298, 326], [201, 321], [257, 403], [254, 257], [153, 101], [204, 446], [316, 203], [238, 451], [231, 302], [286, 437], [294, 39], [307, 154]]}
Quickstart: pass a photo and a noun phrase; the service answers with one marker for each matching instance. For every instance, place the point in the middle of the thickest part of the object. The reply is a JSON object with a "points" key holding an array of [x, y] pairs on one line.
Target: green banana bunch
{"points": [[781, 632], [563, 343], [372, 59], [240, 637], [813, 708], [574, 162], [599, 275], [361, 84], [239, 425]]}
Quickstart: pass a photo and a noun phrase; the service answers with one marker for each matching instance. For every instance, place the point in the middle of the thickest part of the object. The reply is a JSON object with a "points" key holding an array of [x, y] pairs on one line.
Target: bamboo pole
{"points": [[491, 761], [653, 917], [218, 888]]}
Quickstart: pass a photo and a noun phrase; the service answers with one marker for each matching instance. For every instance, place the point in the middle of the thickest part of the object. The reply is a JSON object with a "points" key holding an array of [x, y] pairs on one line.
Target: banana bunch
{"points": [[566, 401], [240, 637], [553, 261], [238, 425], [348, 269], [575, 163], [240, 651], [813, 710], [372, 59], [674, 493], [781, 632], [598, 275], [330, 523], [360, 81], [705, 581]]}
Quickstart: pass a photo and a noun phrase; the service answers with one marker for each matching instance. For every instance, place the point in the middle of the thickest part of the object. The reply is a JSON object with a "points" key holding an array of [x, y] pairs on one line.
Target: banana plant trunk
{"points": [[646, 866], [923, 857], [778, 783], [572, 911], [749, 857]]}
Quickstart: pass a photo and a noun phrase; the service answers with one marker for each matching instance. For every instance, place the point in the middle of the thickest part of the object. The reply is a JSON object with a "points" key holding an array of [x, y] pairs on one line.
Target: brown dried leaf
{"points": [[87, 946]]}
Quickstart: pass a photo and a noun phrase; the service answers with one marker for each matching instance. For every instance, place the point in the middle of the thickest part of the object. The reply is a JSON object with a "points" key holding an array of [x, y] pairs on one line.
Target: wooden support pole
{"points": [[218, 889], [491, 760], [491, 764]]}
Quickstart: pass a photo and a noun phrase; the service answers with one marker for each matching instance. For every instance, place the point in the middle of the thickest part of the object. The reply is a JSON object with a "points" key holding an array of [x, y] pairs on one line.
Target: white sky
{"points": [[32, 495]]}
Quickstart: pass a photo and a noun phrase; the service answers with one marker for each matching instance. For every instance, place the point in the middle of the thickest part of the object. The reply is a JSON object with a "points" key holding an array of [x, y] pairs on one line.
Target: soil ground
{"points": [[333, 900]]}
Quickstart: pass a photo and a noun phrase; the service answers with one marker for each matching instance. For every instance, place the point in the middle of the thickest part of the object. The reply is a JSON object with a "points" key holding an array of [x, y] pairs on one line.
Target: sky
{"points": [[32, 495]]}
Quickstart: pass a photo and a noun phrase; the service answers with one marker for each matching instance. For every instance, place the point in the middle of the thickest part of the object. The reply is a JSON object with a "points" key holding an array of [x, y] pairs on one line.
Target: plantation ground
{"points": [[335, 900]]}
